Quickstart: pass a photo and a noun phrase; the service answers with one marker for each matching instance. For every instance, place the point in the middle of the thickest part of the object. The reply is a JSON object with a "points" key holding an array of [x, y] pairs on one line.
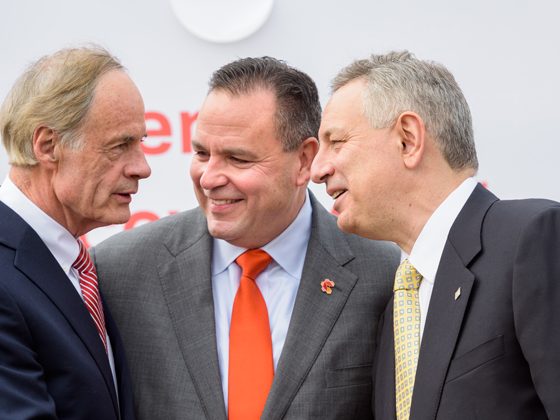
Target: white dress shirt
{"points": [[60, 242], [428, 248], [278, 284]]}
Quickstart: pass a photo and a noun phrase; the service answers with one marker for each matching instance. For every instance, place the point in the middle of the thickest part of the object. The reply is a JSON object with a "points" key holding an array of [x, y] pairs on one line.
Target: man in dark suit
{"points": [[72, 126], [175, 285], [471, 330]]}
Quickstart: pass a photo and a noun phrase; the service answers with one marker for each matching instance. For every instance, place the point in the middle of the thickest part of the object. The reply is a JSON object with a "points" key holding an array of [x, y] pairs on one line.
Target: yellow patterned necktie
{"points": [[406, 330]]}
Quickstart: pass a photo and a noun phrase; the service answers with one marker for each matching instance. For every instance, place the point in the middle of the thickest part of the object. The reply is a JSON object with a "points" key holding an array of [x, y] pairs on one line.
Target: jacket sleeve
{"points": [[536, 303]]}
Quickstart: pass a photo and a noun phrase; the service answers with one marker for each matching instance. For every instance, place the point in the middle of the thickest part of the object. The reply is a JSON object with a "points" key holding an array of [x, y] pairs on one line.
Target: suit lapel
{"points": [[443, 324], [447, 310], [185, 275], [35, 261], [315, 313]]}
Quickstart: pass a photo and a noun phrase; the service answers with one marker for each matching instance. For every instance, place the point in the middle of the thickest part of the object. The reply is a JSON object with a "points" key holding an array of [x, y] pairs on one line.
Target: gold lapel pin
{"points": [[457, 293]]}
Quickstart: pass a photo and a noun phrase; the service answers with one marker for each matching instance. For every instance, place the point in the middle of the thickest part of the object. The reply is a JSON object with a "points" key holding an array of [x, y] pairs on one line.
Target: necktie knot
{"points": [[253, 262], [83, 262], [407, 278]]}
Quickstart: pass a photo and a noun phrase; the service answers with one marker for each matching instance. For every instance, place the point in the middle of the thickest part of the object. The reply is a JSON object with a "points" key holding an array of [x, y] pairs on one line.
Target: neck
{"points": [[36, 184], [423, 199]]}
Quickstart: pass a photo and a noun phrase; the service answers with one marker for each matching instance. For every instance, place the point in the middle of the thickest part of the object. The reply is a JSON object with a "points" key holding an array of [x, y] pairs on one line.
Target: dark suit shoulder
{"points": [[513, 216], [526, 208]]}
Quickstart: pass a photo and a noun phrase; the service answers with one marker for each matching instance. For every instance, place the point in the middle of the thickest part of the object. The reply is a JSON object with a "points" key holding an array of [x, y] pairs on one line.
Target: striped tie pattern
{"points": [[406, 329], [90, 290]]}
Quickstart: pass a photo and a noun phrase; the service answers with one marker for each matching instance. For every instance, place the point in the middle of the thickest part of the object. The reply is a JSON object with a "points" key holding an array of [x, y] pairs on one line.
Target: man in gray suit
{"points": [[173, 284]]}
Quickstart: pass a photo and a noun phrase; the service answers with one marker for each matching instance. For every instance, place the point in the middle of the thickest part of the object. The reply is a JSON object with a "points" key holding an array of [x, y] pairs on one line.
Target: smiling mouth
{"points": [[223, 202], [337, 194]]}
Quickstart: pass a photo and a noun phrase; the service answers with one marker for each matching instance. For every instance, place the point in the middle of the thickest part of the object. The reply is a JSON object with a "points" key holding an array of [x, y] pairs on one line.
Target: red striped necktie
{"points": [[90, 290]]}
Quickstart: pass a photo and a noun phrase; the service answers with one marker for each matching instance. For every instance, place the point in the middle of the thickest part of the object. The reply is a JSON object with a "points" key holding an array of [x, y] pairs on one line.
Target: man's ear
{"points": [[45, 144], [412, 133], [306, 153]]}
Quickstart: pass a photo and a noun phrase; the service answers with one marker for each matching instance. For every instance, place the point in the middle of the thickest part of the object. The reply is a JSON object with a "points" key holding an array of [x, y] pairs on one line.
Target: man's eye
{"points": [[200, 154], [238, 160], [337, 143], [118, 148]]}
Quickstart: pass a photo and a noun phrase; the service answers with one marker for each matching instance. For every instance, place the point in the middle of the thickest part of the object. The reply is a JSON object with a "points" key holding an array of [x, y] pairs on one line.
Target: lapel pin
{"points": [[327, 286], [457, 293]]}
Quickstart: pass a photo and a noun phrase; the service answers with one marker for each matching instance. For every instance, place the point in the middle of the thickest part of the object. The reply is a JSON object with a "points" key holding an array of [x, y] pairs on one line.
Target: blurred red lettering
{"points": [[163, 130], [141, 216], [187, 121], [158, 126]]}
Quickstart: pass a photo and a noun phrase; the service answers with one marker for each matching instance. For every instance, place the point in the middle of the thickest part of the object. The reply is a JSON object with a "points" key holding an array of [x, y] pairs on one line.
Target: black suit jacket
{"points": [[494, 352], [52, 362]]}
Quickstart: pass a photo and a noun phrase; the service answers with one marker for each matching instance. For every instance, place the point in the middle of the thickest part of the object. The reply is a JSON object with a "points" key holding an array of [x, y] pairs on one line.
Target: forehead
{"points": [[345, 108], [117, 106], [237, 117], [221, 107]]}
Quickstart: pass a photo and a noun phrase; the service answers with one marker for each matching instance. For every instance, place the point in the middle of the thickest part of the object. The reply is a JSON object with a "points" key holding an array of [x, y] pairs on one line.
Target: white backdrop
{"points": [[504, 53]]}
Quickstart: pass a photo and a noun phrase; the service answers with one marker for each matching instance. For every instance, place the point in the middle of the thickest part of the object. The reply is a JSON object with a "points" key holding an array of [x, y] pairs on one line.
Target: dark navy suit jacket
{"points": [[52, 362], [492, 350]]}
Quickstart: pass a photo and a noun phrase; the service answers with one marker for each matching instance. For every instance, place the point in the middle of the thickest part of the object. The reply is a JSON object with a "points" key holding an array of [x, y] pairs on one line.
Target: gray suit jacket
{"points": [[157, 281]]}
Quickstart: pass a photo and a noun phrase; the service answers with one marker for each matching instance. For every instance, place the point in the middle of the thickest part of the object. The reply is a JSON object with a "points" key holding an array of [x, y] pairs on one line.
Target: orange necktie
{"points": [[251, 368]]}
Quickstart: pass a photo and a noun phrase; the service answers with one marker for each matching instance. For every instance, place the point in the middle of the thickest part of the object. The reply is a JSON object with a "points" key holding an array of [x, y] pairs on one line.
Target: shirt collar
{"points": [[60, 242], [428, 248], [288, 249]]}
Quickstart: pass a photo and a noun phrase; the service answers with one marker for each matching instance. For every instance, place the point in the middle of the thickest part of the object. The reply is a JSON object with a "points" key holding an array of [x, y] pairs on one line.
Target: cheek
{"points": [[70, 183], [196, 171], [247, 182]]}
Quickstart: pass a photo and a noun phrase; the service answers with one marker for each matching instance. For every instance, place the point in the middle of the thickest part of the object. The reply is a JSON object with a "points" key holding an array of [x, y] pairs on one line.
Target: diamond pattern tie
{"points": [[90, 290], [406, 329], [251, 367]]}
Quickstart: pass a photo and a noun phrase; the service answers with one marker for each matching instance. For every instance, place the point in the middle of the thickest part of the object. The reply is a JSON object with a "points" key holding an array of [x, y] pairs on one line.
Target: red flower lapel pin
{"points": [[327, 286]]}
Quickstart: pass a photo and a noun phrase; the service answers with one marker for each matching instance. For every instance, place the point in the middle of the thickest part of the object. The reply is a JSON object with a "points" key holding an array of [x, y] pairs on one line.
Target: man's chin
{"points": [[219, 230], [346, 224], [118, 218]]}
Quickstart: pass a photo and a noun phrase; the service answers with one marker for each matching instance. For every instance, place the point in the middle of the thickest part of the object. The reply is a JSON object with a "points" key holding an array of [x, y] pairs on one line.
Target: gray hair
{"points": [[298, 110], [399, 82], [56, 91]]}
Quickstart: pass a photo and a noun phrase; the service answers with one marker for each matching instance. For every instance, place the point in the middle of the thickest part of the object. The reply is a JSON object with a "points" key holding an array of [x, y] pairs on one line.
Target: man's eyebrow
{"points": [[125, 138], [327, 134], [129, 138], [235, 151], [196, 143]]}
